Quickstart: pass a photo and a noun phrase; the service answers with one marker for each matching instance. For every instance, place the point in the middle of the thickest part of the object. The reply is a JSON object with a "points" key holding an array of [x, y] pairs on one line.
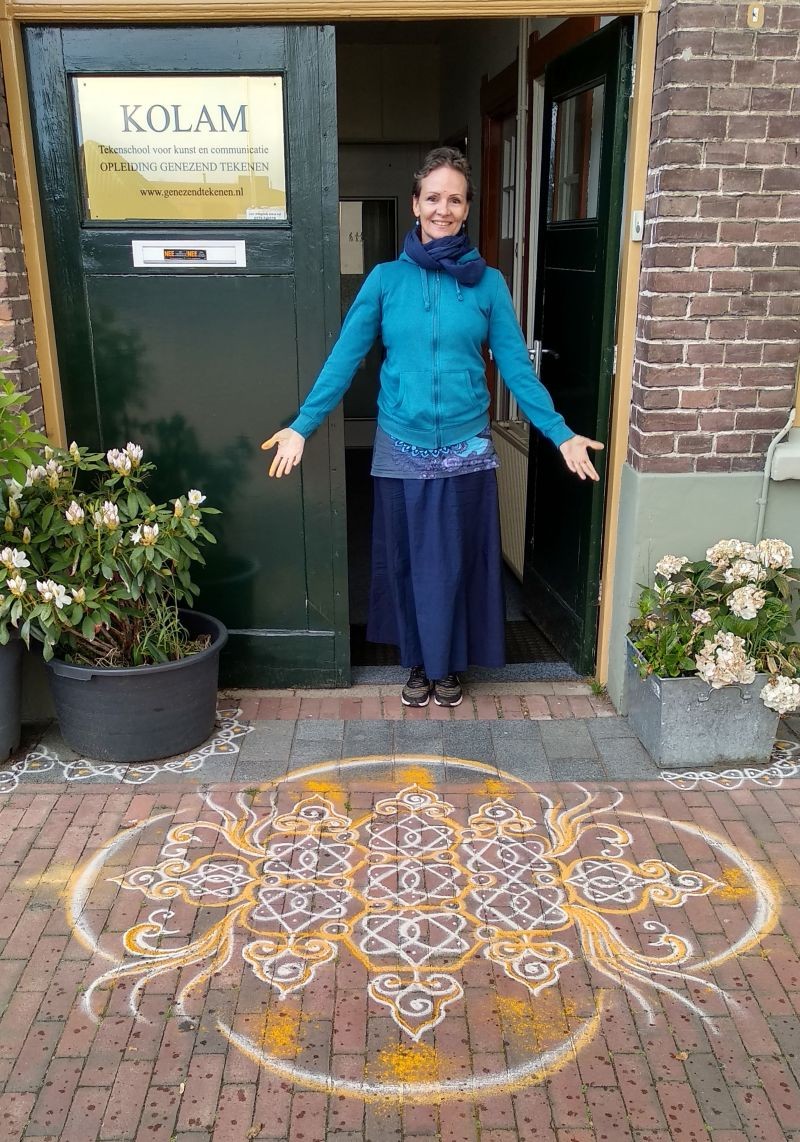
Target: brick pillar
{"points": [[16, 320], [718, 335]]}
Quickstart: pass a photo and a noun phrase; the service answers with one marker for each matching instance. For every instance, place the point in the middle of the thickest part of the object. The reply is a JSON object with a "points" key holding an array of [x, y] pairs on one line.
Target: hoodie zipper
{"points": [[436, 401]]}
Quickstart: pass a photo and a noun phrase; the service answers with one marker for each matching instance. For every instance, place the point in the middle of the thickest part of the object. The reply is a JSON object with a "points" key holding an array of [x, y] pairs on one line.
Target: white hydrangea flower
{"points": [[74, 513], [12, 558], [119, 461], [724, 552], [745, 570], [669, 565], [52, 592], [135, 452], [17, 586], [723, 661], [195, 498], [774, 553], [781, 694], [701, 616], [746, 602]]}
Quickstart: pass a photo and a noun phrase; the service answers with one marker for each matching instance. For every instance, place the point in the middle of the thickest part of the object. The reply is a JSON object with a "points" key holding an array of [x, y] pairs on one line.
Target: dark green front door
{"points": [[201, 362], [585, 120]]}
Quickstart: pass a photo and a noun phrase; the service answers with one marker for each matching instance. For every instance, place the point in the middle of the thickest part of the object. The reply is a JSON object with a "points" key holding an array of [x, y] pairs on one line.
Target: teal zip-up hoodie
{"points": [[433, 385]]}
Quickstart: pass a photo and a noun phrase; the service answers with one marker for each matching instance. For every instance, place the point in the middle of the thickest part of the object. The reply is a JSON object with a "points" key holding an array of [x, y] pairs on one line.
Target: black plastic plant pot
{"points": [[10, 696], [140, 713]]}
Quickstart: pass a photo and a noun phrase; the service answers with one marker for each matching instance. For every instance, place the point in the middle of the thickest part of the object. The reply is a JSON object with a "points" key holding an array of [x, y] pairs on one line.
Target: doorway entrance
{"points": [[548, 214]]}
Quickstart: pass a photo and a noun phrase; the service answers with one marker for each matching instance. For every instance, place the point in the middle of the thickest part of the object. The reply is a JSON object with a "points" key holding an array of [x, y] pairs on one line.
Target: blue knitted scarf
{"points": [[445, 254]]}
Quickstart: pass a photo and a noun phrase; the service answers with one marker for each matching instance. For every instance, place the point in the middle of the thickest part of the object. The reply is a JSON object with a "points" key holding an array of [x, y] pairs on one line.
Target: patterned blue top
{"points": [[401, 461]]}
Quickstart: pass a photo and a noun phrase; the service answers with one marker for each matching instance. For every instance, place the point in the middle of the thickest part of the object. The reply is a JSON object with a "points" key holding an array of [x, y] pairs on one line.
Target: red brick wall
{"points": [[718, 336], [16, 322]]}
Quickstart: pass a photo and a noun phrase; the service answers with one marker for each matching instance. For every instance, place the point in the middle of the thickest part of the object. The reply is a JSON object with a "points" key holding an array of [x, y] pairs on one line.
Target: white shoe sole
{"points": [[415, 705], [448, 705]]}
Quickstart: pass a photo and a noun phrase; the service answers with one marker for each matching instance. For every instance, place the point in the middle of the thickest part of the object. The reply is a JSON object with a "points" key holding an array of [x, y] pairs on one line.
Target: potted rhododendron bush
{"points": [[18, 439], [100, 576], [712, 663]]}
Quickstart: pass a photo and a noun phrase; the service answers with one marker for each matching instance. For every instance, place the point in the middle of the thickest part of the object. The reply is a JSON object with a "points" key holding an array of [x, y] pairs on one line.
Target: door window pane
{"points": [[575, 156]]}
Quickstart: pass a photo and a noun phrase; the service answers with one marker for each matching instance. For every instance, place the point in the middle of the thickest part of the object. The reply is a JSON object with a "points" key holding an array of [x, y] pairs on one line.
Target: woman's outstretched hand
{"points": [[289, 454], [576, 454]]}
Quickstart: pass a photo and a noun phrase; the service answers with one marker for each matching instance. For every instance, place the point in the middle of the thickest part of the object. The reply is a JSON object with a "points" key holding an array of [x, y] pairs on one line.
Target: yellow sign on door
{"points": [[205, 148]]}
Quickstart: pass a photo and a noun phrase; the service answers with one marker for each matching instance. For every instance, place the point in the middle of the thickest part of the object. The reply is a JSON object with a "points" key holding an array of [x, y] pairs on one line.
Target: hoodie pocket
{"points": [[460, 396]]}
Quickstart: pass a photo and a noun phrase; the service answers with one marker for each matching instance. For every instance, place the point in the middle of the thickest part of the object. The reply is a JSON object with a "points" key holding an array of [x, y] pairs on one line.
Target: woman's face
{"points": [[442, 205]]}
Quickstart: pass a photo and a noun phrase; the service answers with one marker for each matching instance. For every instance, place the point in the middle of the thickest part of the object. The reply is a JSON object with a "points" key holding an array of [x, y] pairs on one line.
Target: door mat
{"points": [[524, 643]]}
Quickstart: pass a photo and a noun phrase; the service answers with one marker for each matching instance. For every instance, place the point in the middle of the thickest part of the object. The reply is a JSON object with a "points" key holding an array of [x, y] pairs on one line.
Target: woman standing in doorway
{"points": [[436, 589]]}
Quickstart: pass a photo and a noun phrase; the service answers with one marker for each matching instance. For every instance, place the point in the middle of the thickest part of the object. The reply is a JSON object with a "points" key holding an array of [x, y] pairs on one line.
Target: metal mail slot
{"points": [[184, 252]]}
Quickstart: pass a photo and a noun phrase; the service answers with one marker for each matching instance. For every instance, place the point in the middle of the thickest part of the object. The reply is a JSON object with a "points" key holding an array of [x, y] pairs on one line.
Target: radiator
{"points": [[512, 483]]}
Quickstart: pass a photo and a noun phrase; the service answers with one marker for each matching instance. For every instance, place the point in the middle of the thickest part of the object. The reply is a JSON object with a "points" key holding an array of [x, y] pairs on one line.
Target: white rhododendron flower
{"points": [[53, 472], [701, 616], [119, 461], [74, 513], [178, 509], [774, 553], [12, 559], [26, 535], [8, 524], [74, 451], [745, 570], [79, 594], [14, 489], [52, 592], [195, 498], [134, 452], [146, 534], [48, 452], [746, 602], [34, 474], [13, 509], [670, 565], [194, 520], [781, 694], [108, 516], [17, 586], [724, 552], [723, 661]]}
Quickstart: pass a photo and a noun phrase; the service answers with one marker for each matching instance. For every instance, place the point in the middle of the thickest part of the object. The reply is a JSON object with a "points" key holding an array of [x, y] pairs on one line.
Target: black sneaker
{"points": [[417, 691], [447, 691]]}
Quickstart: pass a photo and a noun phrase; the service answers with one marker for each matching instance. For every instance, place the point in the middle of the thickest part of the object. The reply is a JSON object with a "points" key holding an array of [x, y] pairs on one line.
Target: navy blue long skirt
{"points": [[437, 586]]}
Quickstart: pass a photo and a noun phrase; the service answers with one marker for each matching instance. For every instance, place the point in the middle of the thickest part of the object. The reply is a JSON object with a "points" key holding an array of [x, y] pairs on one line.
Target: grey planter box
{"points": [[684, 724]]}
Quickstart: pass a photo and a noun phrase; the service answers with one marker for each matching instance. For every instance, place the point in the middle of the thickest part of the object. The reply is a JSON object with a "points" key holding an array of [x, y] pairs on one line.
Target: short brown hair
{"points": [[443, 157]]}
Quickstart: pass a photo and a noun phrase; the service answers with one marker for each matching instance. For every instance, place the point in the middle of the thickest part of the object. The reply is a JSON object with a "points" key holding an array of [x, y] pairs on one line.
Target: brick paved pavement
{"points": [[490, 932]]}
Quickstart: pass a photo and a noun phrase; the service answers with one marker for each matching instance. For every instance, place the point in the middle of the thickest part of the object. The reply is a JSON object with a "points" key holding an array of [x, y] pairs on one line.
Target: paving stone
{"points": [[471, 740], [614, 727], [258, 769], [271, 739], [626, 759], [577, 769], [319, 729], [366, 738], [523, 757], [417, 737], [315, 751], [563, 738]]}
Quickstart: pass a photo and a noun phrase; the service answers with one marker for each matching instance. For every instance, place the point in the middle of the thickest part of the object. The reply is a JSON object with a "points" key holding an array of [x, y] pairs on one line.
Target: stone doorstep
{"points": [[534, 701]]}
